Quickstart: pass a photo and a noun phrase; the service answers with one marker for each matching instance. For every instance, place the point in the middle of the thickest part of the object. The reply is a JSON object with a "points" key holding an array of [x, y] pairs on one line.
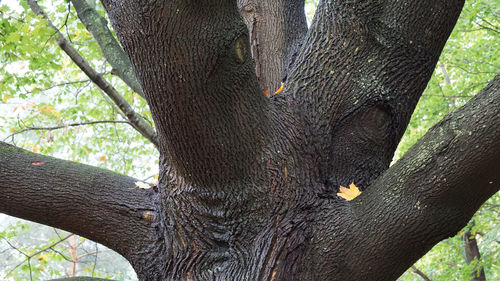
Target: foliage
{"points": [[41, 87]]}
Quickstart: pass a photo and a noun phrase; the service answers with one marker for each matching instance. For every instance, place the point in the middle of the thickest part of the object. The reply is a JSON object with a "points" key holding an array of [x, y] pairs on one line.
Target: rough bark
{"points": [[210, 114], [276, 30], [358, 79], [432, 192], [98, 204], [246, 188]]}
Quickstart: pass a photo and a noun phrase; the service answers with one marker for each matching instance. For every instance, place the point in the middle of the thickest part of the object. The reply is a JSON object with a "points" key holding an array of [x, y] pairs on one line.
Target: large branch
{"points": [[110, 48], [135, 120], [101, 205], [276, 30], [194, 63], [363, 67], [432, 192]]}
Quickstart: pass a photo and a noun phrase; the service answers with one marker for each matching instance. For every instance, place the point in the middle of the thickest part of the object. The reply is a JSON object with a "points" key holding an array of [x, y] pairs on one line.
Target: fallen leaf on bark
{"points": [[280, 89], [349, 193]]}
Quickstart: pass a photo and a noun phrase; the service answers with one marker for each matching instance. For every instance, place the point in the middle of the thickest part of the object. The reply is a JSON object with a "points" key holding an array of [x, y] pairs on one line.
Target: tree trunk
{"points": [[247, 187]]}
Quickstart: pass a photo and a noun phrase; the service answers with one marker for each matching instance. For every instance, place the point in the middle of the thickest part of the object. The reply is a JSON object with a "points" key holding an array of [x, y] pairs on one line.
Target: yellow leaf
{"points": [[349, 193], [103, 159], [6, 97], [57, 115], [35, 148], [280, 89], [46, 108], [43, 257]]}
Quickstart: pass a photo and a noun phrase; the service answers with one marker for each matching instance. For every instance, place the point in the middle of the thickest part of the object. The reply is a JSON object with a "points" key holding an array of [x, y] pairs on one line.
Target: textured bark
{"points": [[430, 193], [276, 30], [210, 114], [247, 184], [98, 204], [362, 70]]}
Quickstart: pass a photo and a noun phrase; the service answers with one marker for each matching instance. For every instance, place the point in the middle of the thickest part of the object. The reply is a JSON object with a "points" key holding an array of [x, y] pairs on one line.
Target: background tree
{"points": [[48, 109]]}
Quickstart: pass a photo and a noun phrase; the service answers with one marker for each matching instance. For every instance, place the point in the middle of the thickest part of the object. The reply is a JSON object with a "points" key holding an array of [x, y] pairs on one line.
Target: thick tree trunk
{"points": [[247, 184]]}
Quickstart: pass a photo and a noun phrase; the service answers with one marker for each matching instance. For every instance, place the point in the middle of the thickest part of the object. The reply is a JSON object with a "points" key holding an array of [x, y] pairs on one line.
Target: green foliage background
{"points": [[41, 87]]}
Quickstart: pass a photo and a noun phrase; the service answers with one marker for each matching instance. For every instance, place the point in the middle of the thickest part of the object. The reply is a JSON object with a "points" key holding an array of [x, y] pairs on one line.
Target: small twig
{"points": [[86, 254], [60, 85], [66, 22], [65, 126], [471, 72], [447, 97], [61, 254], [487, 27], [95, 259], [50, 246], [420, 273], [29, 266], [29, 257], [446, 77]]}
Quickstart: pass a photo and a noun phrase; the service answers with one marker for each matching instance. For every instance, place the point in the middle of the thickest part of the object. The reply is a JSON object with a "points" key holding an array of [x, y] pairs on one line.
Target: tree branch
{"points": [[95, 203], [434, 189], [65, 126], [199, 80], [110, 48], [363, 67], [420, 273], [276, 30], [135, 120]]}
